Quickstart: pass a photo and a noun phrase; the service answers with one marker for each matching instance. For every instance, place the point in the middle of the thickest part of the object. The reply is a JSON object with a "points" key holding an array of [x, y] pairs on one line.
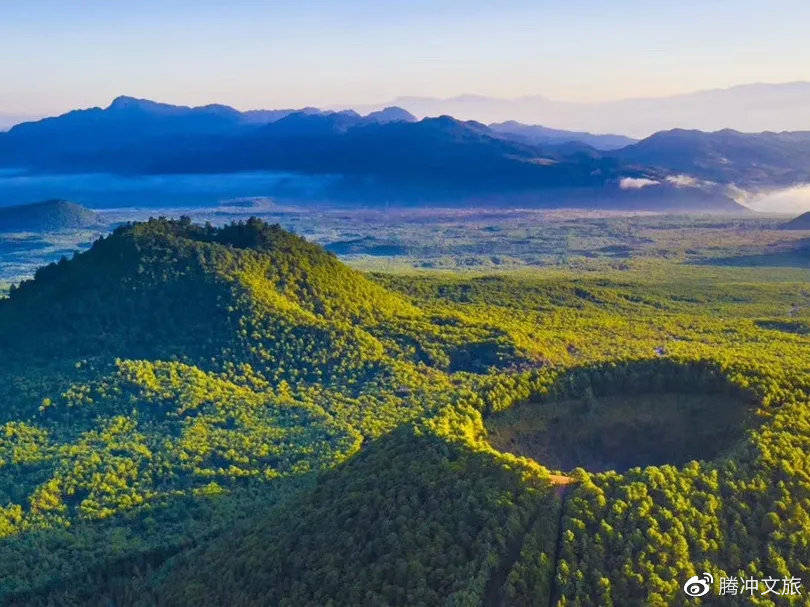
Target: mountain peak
{"points": [[391, 113], [123, 102], [259, 256]]}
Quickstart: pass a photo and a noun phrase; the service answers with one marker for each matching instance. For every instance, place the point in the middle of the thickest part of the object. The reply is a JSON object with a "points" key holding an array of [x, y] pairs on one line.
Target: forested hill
{"points": [[49, 215], [197, 415], [178, 377], [170, 289]]}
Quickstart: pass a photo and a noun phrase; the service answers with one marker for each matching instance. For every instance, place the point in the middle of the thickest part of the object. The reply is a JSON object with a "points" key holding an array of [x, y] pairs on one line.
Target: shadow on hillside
{"points": [[90, 561], [410, 519]]}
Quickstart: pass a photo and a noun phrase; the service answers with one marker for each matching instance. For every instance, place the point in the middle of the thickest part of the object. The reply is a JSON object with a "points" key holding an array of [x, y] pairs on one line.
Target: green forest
{"points": [[199, 415]]}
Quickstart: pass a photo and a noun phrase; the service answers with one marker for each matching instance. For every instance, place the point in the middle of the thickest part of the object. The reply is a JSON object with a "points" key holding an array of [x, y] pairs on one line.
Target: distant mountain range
{"points": [[536, 134], [748, 107], [49, 215], [388, 156], [747, 160]]}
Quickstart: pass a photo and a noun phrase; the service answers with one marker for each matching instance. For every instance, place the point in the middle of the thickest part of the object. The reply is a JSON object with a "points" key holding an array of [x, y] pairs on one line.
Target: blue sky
{"points": [[60, 54]]}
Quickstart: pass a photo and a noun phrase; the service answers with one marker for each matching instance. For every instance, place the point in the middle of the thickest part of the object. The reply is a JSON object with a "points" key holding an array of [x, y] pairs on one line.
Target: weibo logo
{"points": [[698, 586]]}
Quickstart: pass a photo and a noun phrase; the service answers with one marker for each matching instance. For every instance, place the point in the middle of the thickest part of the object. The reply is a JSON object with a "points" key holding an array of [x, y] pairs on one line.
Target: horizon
{"points": [[359, 53], [9, 120], [368, 103]]}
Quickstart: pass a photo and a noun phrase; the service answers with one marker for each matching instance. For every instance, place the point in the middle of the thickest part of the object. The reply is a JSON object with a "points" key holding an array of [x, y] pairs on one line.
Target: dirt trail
{"points": [[561, 484], [494, 592], [563, 489], [493, 595]]}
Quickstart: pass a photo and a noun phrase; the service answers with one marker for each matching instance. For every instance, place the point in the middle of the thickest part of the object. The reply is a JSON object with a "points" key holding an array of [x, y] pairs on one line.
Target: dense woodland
{"points": [[200, 415]]}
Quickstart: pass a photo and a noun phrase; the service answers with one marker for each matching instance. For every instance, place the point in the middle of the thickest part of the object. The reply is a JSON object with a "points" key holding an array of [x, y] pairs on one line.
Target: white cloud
{"points": [[795, 199], [636, 183], [683, 181]]}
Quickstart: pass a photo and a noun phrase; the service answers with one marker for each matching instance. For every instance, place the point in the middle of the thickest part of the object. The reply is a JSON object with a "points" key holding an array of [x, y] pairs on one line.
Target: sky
{"points": [[57, 55]]}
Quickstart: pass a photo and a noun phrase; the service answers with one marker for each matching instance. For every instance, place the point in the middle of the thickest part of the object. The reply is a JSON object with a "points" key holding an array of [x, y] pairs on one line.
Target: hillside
{"points": [[244, 280], [230, 415], [9, 120], [541, 135], [404, 505], [749, 160], [46, 216], [802, 222], [177, 362]]}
